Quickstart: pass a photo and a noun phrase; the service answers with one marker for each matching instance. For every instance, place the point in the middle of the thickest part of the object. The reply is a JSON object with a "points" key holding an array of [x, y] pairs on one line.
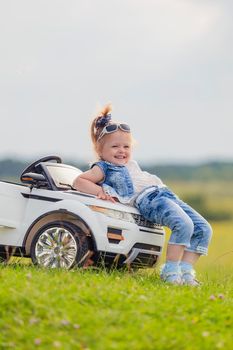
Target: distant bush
{"points": [[170, 172], [12, 168], [199, 203], [199, 172]]}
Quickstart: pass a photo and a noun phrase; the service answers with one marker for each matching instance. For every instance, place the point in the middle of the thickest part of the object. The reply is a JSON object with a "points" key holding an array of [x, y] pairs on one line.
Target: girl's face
{"points": [[116, 148]]}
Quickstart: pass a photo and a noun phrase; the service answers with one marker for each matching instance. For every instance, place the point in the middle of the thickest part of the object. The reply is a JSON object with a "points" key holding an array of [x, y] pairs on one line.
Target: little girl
{"points": [[116, 177]]}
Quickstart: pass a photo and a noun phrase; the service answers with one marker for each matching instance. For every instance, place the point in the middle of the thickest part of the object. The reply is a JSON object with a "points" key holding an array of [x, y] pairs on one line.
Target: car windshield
{"points": [[63, 175]]}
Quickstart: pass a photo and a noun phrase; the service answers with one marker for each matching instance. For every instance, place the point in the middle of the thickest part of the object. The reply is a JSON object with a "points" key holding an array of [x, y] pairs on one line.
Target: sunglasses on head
{"points": [[108, 129]]}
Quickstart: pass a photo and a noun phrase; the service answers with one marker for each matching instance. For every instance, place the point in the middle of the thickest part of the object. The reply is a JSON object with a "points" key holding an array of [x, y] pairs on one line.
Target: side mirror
{"points": [[34, 179]]}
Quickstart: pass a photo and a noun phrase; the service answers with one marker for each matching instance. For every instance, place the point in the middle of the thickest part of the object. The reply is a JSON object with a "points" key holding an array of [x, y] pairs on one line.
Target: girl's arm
{"points": [[87, 182]]}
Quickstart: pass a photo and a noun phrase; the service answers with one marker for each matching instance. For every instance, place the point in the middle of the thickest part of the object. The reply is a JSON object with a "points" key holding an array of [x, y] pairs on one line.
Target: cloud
{"points": [[168, 62]]}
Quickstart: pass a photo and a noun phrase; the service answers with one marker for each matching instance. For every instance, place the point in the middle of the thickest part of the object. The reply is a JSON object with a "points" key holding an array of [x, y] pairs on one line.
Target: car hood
{"points": [[89, 199]]}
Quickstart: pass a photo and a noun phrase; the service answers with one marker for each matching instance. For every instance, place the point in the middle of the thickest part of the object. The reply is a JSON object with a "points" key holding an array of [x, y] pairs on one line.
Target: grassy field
{"points": [[220, 253], [213, 199], [94, 309]]}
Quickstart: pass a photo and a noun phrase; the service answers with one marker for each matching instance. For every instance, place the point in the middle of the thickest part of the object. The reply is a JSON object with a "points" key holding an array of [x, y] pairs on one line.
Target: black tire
{"points": [[5, 253], [59, 244]]}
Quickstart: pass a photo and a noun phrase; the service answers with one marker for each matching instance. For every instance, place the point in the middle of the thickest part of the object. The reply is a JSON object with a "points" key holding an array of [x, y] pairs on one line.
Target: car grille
{"points": [[146, 246], [141, 221]]}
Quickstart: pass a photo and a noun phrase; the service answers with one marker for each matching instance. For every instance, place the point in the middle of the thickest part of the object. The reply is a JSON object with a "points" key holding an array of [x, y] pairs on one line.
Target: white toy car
{"points": [[46, 219]]}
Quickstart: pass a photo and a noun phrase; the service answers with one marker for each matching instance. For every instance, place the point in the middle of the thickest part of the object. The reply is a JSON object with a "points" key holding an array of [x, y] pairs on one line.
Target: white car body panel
{"points": [[21, 207], [12, 204]]}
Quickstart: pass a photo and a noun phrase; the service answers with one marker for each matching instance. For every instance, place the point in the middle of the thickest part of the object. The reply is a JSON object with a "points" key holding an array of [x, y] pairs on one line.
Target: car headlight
{"points": [[115, 214]]}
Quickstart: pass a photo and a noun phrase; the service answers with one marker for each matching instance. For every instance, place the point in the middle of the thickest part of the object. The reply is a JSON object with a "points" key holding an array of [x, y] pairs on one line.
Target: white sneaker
{"points": [[188, 279]]}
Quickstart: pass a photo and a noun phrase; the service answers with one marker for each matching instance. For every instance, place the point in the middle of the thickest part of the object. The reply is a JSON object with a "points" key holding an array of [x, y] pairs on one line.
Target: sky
{"points": [[165, 65]]}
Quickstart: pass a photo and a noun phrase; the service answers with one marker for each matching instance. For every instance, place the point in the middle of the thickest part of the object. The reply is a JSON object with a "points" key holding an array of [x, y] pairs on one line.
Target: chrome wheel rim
{"points": [[56, 247]]}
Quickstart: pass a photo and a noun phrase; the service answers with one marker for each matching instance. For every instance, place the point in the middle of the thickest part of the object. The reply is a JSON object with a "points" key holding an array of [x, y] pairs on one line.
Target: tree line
{"points": [[218, 172], [12, 168]]}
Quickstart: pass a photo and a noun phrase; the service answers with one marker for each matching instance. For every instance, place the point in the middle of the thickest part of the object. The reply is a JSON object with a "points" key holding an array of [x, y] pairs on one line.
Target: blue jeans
{"points": [[160, 205]]}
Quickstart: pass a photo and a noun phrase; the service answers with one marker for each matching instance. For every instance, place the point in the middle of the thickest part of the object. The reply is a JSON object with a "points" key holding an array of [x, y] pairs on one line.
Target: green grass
{"points": [[94, 309], [215, 197], [220, 253], [221, 248]]}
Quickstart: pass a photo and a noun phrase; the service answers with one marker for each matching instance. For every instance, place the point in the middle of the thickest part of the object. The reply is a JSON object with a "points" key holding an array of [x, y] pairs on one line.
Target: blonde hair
{"points": [[96, 129], [102, 119]]}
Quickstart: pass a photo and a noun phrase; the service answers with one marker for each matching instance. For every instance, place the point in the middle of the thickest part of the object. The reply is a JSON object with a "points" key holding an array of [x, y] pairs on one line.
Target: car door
{"points": [[12, 204]]}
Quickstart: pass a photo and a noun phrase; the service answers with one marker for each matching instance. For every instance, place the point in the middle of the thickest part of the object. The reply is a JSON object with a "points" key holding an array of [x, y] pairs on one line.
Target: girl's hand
{"points": [[102, 195]]}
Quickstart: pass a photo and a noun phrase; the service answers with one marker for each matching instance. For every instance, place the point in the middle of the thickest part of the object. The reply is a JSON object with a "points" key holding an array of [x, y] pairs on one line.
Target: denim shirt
{"points": [[117, 181]]}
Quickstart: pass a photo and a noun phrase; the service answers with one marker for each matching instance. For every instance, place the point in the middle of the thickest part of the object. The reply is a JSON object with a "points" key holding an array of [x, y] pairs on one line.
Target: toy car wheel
{"points": [[5, 254], [59, 245]]}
